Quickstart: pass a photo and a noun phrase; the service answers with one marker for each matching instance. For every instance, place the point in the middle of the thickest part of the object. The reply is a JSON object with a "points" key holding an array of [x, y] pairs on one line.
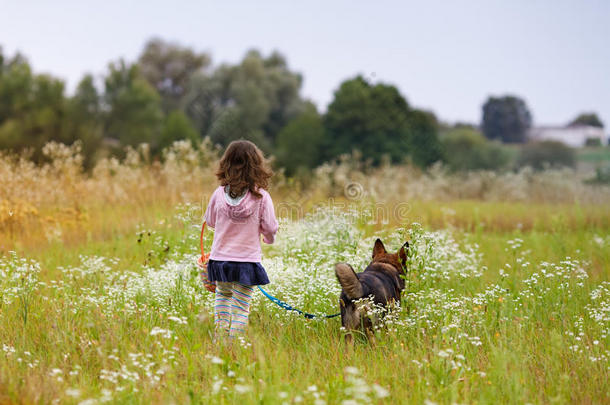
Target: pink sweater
{"points": [[237, 228]]}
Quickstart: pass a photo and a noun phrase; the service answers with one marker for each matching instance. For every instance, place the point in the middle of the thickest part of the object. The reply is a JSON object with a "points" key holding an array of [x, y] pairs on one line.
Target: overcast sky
{"points": [[445, 56]]}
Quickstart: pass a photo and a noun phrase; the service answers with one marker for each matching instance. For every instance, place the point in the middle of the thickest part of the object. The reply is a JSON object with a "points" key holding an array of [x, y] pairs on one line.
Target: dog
{"points": [[383, 279]]}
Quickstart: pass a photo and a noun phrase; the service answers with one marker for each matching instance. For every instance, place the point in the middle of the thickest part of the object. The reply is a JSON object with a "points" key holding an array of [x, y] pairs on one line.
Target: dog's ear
{"points": [[349, 280], [402, 254], [378, 249]]}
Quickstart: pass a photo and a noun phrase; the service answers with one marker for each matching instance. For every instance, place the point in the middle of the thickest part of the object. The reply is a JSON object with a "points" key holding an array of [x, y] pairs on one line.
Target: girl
{"points": [[240, 210]]}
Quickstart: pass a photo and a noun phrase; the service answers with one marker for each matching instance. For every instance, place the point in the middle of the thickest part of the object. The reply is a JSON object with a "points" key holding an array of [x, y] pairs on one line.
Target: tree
{"points": [[176, 127], [506, 119], [299, 144], [32, 107], [539, 155], [587, 119], [167, 94], [424, 144], [84, 119], [132, 107], [253, 100], [230, 126], [168, 68], [467, 149], [369, 118], [377, 120], [285, 101]]}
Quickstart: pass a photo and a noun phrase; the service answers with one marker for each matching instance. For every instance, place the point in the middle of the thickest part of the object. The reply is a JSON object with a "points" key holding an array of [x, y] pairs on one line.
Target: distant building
{"points": [[573, 135]]}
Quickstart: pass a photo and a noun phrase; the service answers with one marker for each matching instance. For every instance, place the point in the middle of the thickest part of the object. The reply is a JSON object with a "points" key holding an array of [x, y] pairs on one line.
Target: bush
{"points": [[176, 127], [468, 149], [299, 144], [594, 142], [540, 155], [602, 176]]}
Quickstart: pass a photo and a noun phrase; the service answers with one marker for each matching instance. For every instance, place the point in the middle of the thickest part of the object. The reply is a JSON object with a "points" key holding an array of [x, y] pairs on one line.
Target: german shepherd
{"points": [[382, 279]]}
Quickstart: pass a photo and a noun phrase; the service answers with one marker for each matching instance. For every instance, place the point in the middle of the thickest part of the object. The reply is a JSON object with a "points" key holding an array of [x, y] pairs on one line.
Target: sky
{"points": [[444, 56]]}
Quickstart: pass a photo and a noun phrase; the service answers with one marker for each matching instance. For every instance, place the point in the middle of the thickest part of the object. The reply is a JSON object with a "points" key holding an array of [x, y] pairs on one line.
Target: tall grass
{"points": [[60, 202], [507, 297], [115, 329]]}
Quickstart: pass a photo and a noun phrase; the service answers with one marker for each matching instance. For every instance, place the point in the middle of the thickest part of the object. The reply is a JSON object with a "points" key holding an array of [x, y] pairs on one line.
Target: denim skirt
{"points": [[246, 273]]}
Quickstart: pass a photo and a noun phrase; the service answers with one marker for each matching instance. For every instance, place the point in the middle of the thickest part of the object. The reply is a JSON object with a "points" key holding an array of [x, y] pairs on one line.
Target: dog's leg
{"points": [[349, 339], [371, 336]]}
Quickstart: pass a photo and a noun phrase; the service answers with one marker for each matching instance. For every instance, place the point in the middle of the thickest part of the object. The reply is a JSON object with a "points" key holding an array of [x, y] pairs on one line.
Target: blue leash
{"points": [[276, 301], [287, 307]]}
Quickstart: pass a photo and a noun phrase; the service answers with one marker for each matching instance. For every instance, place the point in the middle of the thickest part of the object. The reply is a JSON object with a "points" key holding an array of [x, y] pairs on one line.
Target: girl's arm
{"points": [[269, 225], [210, 212]]}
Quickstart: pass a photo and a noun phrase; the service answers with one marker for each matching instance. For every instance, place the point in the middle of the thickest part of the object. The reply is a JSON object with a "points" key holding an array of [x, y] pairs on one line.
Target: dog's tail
{"points": [[349, 280]]}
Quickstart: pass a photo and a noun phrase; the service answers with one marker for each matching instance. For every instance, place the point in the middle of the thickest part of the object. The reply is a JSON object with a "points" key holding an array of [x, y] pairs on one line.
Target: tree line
{"points": [[172, 92]]}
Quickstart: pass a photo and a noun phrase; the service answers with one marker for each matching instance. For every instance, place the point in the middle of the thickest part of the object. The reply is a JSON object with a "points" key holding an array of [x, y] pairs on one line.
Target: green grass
{"points": [[586, 157], [594, 155], [461, 336]]}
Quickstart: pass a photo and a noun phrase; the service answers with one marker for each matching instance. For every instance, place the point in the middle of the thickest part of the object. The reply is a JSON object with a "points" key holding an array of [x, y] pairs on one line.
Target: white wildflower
{"points": [[352, 370], [242, 389], [73, 392]]}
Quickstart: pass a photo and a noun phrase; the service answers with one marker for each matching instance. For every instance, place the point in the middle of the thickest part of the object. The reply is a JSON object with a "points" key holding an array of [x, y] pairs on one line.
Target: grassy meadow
{"points": [[507, 298]]}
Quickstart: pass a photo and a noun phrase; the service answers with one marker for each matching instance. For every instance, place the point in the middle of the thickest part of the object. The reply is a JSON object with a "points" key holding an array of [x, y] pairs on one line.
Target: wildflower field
{"points": [[507, 298]]}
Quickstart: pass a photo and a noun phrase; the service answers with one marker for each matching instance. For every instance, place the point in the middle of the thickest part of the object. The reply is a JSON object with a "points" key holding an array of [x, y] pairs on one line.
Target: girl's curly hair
{"points": [[243, 167]]}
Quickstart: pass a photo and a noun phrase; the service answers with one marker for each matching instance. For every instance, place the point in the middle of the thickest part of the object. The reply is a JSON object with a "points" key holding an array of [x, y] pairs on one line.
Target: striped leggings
{"points": [[232, 308]]}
